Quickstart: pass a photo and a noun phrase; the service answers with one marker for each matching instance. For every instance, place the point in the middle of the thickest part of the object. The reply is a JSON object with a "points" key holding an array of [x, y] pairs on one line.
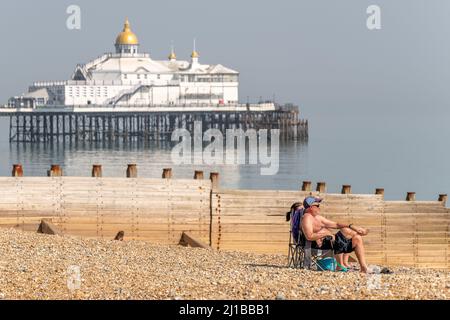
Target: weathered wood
{"points": [[306, 186], [214, 177], [443, 198], [132, 171], [346, 189], [411, 196], [321, 187], [55, 171], [188, 240], [167, 173], [243, 225], [198, 175], [47, 227], [97, 171], [119, 236], [17, 170], [147, 126], [160, 210]]}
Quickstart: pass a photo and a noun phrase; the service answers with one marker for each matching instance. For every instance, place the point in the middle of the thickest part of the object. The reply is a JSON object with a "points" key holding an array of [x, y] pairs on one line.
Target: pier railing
{"points": [[127, 107], [407, 232]]}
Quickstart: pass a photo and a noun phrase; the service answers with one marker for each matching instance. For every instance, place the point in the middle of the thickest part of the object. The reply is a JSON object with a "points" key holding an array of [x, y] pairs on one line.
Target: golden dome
{"points": [[194, 54], [127, 36], [172, 56]]}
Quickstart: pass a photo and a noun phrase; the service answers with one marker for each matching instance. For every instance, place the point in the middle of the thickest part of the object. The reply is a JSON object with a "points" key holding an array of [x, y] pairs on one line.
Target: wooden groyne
{"points": [[406, 232], [118, 125]]}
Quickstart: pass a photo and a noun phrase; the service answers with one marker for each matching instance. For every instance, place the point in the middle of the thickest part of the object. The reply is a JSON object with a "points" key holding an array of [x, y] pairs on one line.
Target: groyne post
{"points": [[55, 171], [306, 186], [411, 196], [167, 173], [17, 170], [96, 171], [321, 187], [379, 191], [132, 171], [346, 189], [198, 175], [214, 177]]}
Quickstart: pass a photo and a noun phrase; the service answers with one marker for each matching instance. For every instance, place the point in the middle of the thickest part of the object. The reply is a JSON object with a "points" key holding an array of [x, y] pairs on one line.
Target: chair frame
{"points": [[300, 253]]}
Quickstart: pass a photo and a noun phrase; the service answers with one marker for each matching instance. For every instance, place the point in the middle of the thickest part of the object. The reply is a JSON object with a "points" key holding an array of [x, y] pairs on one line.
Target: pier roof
{"points": [[119, 64]]}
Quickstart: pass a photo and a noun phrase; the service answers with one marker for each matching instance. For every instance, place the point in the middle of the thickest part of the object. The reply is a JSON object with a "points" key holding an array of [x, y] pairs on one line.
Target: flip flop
{"points": [[341, 268]]}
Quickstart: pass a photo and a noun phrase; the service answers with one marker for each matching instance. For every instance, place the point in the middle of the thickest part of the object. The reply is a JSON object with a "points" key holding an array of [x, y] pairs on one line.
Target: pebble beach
{"points": [[38, 266]]}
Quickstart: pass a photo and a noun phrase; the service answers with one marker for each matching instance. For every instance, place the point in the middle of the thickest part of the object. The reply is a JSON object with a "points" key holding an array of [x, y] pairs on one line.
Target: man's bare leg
{"points": [[358, 246], [345, 260], [340, 260]]}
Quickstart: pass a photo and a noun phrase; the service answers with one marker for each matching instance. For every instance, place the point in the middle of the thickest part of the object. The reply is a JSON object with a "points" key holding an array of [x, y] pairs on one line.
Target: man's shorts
{"points": [[340, 245]]}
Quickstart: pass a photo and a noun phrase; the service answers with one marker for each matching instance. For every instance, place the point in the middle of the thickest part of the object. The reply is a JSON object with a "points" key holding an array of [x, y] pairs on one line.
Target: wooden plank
{"points": [[187, 239], [47, 227], [160, 209]]}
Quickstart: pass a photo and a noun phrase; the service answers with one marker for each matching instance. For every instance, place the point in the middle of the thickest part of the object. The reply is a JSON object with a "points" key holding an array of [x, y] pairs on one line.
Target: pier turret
{"points": [[172, 56], [194, 56], [127, 42]]}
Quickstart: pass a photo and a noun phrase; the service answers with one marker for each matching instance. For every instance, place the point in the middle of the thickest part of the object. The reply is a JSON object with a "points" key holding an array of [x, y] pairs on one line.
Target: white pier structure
{"points": [[126, 95], [128, 77]]}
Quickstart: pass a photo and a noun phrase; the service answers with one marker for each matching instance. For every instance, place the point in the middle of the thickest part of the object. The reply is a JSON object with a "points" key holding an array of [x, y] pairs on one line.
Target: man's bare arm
{"points": [[309, 233], [337, 225], [331, 224]]}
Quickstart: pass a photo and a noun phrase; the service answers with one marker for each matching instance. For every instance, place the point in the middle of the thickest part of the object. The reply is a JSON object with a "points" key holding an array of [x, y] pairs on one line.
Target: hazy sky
{"points": [[377, 101], [318, 54]]}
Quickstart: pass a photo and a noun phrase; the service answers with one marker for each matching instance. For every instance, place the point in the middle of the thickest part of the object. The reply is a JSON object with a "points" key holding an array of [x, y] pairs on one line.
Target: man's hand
{"points": [[319, 242], [360, 230]]}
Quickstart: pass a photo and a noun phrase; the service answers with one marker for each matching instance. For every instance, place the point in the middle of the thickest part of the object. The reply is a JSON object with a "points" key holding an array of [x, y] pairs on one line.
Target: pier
{"points": [[100, 124], [168, 210]]}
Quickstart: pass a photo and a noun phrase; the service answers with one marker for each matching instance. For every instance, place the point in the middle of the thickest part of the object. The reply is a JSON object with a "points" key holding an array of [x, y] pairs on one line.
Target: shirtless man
{"points": [[347, 239]]}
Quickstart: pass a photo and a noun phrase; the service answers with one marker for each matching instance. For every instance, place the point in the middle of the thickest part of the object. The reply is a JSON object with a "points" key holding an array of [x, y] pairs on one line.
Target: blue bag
{"points": [[326, 264]]}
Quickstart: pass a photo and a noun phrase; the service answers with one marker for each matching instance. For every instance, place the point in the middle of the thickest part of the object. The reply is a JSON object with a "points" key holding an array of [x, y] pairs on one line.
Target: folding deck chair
{"points": [[300, 254]]}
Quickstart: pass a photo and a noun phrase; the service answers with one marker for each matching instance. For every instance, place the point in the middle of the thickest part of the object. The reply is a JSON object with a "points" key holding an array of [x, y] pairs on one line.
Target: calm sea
{"points": [[367, 153]]}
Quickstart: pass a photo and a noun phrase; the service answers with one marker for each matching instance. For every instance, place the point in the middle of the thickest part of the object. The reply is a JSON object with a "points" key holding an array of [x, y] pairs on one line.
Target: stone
{"points": [[280, 296], [38, 268]]}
